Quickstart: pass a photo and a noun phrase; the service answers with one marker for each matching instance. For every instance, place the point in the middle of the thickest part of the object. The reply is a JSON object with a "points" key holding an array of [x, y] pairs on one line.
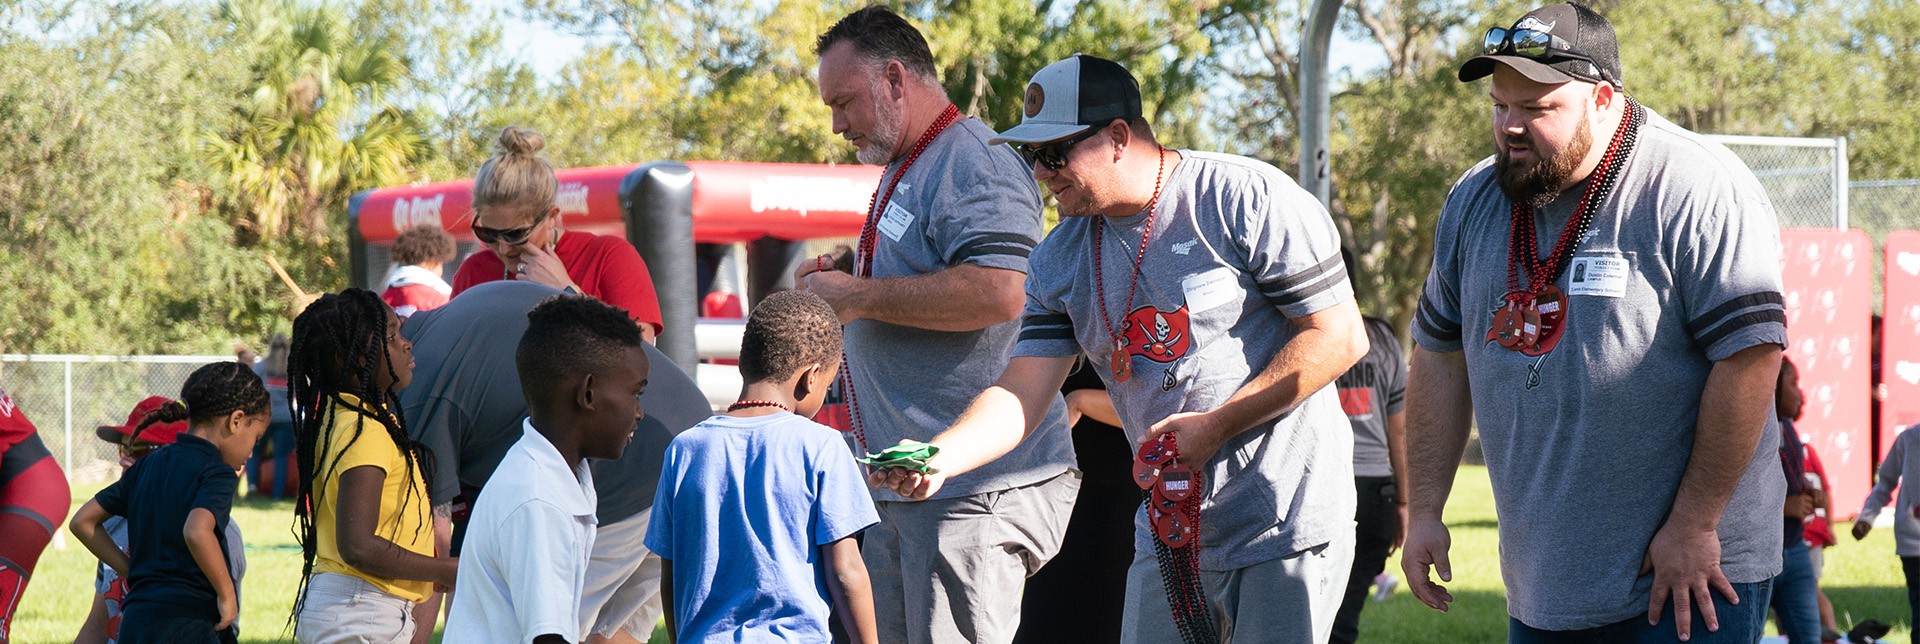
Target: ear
{"points": [[1121, 135], [583, 393], [806, 384], [896, 79], [233, 420], [1605, 98]]}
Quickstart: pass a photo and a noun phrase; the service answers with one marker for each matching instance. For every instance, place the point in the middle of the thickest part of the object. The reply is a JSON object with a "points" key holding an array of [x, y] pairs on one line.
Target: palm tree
{"points": [[314, 125]]}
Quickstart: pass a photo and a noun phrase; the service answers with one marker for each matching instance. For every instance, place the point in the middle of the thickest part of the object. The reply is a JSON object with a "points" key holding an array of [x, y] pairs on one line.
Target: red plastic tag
{"points": [[1176, 482]]}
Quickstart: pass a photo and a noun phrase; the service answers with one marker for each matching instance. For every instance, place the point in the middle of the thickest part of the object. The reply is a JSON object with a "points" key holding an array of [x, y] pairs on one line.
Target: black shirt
{"points": [[155, 496]]}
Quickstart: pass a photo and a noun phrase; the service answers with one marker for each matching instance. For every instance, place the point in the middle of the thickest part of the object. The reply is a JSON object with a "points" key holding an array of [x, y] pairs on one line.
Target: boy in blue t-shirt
{"points": [[757, 507]]}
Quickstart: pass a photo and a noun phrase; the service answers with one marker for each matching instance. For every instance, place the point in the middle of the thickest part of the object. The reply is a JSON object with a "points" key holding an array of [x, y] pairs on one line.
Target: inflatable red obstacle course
{"points": [[664, 208]]}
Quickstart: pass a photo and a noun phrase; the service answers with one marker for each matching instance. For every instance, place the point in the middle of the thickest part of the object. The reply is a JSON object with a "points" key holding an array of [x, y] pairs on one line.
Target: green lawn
{"points": [[1863, 580]]}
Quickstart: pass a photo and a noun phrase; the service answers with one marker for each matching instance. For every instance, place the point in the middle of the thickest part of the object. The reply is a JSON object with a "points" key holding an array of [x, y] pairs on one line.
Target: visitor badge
{"points": [[1210, 289], [895, 221], [1597, 276]]}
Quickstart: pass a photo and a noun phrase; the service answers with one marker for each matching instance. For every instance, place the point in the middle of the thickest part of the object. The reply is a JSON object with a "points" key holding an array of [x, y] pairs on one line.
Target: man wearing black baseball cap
{"points": [[1623, 405], [1207, 291]]}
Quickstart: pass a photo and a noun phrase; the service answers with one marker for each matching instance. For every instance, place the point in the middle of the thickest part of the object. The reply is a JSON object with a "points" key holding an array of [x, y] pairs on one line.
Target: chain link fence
{"points": [[1805, 178], [68, 396], [1879, 208]]}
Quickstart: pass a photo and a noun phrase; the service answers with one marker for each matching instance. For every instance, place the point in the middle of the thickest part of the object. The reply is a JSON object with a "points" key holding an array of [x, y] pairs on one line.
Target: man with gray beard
{"points": [[930, 311], [1623, 405]]}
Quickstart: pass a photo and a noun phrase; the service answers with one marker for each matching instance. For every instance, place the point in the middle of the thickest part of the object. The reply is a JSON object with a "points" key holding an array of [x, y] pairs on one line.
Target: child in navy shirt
{"points": [[176, 502], [757, 508]]}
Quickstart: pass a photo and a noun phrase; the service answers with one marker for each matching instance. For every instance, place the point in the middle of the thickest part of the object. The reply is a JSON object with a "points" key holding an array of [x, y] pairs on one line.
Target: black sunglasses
{"points": [[1053, 156], [510, 236], [1535, 44]]}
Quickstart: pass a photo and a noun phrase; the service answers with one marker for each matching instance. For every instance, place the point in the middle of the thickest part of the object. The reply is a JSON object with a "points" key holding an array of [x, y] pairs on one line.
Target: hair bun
{"points": [[516, 140]]}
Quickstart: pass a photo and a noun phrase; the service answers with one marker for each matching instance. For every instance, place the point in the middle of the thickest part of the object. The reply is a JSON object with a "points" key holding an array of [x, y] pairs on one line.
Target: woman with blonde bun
{"points": [[516, 219]]}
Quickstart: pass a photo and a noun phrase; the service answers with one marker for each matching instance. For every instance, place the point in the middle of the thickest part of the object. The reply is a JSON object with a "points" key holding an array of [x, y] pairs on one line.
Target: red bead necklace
{"points": [[749, 404], [1122, 361], [869, 232], [1534, 316]]}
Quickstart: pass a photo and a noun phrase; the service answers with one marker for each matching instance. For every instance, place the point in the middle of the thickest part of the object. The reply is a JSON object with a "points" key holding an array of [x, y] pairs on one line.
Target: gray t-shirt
{"points": [[1237, 250], [1586, 444], [962, 202], [1375, 388], [466, 405]]}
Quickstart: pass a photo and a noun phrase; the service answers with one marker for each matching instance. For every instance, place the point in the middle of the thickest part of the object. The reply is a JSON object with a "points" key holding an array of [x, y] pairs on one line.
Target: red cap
{"points": [[157, 433]]}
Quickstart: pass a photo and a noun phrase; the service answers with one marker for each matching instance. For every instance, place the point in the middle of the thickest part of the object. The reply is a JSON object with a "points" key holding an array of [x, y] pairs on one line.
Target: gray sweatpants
{"points": [[948, 571], [1290, 600]]}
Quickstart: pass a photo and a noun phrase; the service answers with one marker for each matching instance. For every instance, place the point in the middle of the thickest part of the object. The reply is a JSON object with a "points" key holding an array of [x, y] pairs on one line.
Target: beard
{"points": [[1540, 182], [876, 147]]}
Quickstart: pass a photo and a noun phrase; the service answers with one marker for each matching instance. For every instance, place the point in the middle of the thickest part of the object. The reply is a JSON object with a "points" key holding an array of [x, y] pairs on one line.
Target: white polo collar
{"points": [[575, 494]]}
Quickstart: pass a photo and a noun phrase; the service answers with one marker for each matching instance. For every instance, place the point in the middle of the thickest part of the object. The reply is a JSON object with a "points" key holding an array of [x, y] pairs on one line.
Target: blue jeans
{"points": [[280, 437], [1795, 600], [1741, 624]]}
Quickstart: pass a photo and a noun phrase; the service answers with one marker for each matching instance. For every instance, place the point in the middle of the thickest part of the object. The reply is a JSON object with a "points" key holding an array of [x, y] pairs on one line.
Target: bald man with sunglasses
{"points": [[1605, 305]]}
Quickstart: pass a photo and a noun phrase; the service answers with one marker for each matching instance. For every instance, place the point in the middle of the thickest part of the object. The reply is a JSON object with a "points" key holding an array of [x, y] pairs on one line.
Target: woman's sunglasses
{"points": [[1053, 156], [509, 236]]}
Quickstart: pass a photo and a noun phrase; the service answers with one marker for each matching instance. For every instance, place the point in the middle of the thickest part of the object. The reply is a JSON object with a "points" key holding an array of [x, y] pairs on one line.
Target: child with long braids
{"points": [[366, 528], [176, 503]]}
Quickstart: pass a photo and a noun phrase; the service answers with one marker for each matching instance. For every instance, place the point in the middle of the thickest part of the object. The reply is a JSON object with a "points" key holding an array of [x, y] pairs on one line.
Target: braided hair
{"points": [[211, 392], [340, 348]]}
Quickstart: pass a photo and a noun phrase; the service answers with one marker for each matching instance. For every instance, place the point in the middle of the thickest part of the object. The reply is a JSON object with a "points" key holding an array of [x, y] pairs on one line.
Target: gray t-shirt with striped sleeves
{"points": [[1237, 250], [1586, 443], [963, 202]]}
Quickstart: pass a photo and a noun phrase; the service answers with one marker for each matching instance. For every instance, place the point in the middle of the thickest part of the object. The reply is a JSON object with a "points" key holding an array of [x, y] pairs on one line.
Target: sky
{"points": [[548, 49]]}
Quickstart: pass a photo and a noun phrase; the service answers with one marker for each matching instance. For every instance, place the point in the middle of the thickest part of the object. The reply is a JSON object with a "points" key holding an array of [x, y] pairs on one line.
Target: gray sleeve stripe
{"points": [[1742, 321], [1302, 292], [1013, 244], [1045, 333], [1719, 313], [1434, 324], [1282, 286]]}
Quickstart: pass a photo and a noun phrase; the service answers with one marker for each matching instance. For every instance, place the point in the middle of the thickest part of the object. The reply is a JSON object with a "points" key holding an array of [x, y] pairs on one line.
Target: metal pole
{"points": [[67, 404], [1840, 185], [1315, 104]]}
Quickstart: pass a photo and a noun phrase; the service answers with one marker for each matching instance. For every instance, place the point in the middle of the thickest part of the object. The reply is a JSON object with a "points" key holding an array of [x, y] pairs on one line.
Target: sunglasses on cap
{"points": [[1532, 43], [508, 236], [1053, 156]]}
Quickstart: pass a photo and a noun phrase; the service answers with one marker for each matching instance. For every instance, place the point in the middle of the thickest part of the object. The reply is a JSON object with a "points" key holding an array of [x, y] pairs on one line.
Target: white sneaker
{"points": [[1383, 585]]}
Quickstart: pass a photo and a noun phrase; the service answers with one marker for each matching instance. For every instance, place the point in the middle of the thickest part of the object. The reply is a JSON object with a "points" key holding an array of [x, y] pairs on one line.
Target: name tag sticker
{"points": [[1598, 276], [1210, 289], [894, 222]]}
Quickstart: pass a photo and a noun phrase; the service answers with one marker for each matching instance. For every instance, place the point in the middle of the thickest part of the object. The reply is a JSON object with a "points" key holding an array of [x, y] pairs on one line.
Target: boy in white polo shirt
{"points": [[524, 562]]}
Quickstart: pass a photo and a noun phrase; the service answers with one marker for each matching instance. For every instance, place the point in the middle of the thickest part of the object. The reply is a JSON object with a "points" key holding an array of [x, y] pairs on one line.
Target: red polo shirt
{"points": [[604, 266]]}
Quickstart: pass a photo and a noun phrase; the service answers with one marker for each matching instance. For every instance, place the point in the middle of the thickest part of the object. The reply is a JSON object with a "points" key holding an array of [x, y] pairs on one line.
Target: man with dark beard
{"points": [[930, 312], [1623, 406]]}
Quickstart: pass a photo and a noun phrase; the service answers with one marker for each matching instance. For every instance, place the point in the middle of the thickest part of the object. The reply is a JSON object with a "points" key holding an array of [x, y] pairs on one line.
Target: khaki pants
{"points": [[948, 571], [623, 581], [343, 609]]}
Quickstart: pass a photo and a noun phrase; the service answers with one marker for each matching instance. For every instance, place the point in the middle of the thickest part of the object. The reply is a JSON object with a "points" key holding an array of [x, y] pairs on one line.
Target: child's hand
{"points": [[229, 611], [1860, 530]]}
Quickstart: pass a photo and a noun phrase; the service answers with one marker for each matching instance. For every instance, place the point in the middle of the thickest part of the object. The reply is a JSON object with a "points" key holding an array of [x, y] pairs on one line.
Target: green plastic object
{"points": [[908, 456]]}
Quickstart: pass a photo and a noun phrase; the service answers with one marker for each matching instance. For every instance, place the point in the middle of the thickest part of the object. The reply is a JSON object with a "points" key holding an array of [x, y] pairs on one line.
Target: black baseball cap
{"points": [[1585, 48], [1069, 96]]}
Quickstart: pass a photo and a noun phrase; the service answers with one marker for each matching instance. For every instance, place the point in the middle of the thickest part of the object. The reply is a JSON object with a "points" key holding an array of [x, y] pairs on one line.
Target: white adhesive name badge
{"points": [[894, 222], [1210, 289], [1598, 276]]}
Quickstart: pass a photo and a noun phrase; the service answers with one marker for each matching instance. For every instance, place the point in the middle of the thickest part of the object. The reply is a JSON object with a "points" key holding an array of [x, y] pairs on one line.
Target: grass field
{"points": [[1863, 580]]}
